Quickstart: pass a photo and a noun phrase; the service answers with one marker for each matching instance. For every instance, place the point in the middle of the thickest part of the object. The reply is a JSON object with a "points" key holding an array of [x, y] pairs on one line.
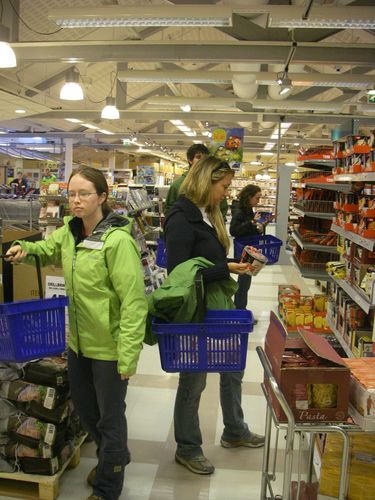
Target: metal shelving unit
{"points": [[355, 294], [316, 215], [339, 337], [311, 246], [356, 238], [343, 188], [310, 273], [360, 177]]}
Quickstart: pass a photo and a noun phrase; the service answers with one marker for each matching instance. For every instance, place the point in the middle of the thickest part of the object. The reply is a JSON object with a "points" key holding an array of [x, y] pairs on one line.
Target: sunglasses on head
{"points": [[223, 165]]}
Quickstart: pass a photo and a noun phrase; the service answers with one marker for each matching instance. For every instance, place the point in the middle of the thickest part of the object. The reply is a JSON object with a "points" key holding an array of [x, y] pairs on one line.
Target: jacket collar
{"points": [[111, 220], [191, 211]]}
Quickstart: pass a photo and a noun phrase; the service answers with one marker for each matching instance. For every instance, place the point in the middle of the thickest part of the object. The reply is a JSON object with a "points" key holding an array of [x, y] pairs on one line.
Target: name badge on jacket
{"points": [[92, 245]]}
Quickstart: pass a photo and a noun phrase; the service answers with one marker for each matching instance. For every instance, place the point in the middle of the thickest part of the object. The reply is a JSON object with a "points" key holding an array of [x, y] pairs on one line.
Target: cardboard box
{"points": [[9, 235], [297, 382], [25, 284]]}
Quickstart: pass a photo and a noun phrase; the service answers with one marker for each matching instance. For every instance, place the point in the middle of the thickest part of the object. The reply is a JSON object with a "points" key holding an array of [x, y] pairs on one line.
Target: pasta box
{"points": [[313, 378]]}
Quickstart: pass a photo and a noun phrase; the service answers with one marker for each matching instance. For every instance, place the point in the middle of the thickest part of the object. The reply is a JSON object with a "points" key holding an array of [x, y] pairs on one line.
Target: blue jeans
{"points": [[186, 420], [98, 395], [240, 297]]}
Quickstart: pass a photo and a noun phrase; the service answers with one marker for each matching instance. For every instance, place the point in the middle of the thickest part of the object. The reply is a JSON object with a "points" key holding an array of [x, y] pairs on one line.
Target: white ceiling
{"points": [[43, 60]]}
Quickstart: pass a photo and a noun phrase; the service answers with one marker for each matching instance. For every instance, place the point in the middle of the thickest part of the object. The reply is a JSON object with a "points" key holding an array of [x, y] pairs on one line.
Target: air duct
{"points": [[244, 84]]}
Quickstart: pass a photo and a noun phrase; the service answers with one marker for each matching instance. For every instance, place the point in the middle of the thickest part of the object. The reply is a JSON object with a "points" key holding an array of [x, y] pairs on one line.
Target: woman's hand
{"points": [[15, 254], [124, 376], [236, 268]]}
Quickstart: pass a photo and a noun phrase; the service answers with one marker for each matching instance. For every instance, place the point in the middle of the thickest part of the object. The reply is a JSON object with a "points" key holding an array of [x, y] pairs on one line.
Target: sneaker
{"points": [[254, 441], [91, 477], [198, 464]]}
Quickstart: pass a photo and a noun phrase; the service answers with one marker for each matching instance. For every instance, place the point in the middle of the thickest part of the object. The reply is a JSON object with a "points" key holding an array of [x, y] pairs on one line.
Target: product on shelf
{"points": [[302, 310]]}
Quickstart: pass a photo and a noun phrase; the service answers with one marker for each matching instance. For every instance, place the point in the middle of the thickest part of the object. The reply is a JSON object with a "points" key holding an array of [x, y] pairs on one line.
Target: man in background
{"points": [[48, 177], [19, 184], [193, 154]]}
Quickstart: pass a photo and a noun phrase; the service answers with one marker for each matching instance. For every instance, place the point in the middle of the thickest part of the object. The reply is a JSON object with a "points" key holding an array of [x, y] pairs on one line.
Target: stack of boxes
{"points": [[298, 310]]}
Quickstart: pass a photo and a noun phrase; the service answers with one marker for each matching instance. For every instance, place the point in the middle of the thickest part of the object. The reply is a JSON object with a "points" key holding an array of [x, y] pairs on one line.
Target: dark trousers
{"points": [[98, 395], [186, 419], [240, 298]]}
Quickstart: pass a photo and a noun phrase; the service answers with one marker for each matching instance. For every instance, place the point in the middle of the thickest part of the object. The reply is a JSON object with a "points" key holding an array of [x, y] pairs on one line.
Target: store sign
{"points": [[227, 144], [371, 99]]}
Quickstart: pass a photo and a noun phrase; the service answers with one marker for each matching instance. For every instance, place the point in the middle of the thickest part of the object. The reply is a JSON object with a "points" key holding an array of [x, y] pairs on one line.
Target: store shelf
{"points": [[310, 273], [354, 293], [339, 337], [316, 215], [360, 177], [311, 246], [343, 188], [356, 238]]}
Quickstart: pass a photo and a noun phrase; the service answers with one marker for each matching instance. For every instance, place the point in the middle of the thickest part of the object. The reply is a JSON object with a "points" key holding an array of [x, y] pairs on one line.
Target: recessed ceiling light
{"points": [[20, 111]]}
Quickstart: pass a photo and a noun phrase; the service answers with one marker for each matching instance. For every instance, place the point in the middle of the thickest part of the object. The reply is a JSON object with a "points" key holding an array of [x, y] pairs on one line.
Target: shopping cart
{"points": [[31, 329], [268, 245], [161, 254]]}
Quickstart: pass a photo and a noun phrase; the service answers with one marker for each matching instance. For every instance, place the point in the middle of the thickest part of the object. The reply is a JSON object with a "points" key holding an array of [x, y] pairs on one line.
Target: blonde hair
{"points": [[197, 188]]}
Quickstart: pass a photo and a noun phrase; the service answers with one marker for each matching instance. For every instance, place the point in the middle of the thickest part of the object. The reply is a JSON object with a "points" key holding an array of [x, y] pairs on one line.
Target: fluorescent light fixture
{"points": [[20, 111], [110, 112], [145, 15], [296, 144], [346, 17], [255, 163], [176, 122], [186, 108], [371, 92], [290, 164], [269, 145], [73, 120], [71, 90], [342, 80], [266, 153]]}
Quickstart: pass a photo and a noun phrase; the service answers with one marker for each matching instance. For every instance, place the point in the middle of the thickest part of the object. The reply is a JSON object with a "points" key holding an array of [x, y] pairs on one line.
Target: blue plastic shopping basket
{"points": [[161, 254], [218, 344], [267, 244], [31, 329]]}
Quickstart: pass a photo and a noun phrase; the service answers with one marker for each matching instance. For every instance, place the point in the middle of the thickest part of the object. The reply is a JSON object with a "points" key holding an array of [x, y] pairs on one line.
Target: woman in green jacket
{"points": [[107, 312]]}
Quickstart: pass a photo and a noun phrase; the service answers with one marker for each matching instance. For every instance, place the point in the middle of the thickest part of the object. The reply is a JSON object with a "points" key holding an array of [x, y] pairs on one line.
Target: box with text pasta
{"points": [[311, 375]]}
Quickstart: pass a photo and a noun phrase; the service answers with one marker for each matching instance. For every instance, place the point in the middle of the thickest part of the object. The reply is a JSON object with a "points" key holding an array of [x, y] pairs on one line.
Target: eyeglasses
{"points": [[82, 195]]}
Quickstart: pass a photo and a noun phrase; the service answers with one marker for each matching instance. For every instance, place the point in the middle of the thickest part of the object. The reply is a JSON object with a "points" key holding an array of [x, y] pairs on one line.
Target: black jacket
{"points": [[242, 223], [188, 236]]}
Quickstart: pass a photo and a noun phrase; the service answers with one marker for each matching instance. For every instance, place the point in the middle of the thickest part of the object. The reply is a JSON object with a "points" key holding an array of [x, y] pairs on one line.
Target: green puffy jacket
{"points": [[104, 283], [176, 299]]}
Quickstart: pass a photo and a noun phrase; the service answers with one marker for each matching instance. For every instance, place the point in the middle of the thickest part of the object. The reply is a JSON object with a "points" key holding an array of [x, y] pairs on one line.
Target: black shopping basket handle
{"points": [[200, 295], [38, 273]]}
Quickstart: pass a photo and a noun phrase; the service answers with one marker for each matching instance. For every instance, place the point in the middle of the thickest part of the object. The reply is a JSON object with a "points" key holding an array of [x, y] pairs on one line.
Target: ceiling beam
{"points": [[214, 116], [49, 82], [198, 52]]}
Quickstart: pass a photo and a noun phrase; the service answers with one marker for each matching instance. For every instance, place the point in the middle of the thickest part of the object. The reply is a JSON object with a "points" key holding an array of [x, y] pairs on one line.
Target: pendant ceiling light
{"points": [[71, 90], [7, 55], [110, 112]]}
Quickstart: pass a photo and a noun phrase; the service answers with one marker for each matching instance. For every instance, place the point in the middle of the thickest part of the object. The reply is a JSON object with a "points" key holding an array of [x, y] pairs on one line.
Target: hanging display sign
{"points": [[227, 144]]}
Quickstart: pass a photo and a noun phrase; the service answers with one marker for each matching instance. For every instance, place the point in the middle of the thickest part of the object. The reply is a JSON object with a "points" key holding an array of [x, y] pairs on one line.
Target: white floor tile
{"points": [[149, 413], [235, 485]]}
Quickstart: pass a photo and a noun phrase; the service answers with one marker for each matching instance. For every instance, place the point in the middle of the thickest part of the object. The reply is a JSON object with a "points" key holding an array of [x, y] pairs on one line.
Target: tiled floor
{"points": [[153, 473]]}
